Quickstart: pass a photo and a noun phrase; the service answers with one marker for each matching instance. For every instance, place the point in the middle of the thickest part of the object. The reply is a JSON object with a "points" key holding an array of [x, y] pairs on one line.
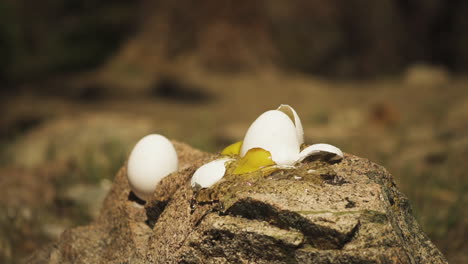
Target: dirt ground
{"points": [[59, 153]]}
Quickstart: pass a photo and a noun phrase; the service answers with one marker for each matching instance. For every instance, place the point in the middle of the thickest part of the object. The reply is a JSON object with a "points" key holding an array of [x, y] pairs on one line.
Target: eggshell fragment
{"points": [[288, 110], [152, 159], [275, 132], [209, 174], [331, 152]]}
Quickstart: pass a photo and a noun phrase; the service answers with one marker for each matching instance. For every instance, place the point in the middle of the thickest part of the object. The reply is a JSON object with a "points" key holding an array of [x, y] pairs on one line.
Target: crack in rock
{"points": [[318, 236]]}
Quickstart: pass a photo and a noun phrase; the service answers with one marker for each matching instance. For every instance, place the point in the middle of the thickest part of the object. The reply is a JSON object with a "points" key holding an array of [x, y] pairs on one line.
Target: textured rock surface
{"points": [[349, 212]]}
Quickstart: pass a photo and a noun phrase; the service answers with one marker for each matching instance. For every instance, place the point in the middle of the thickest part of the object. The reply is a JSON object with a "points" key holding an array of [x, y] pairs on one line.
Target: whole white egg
{"points": [[273, 131], [152, 159]]}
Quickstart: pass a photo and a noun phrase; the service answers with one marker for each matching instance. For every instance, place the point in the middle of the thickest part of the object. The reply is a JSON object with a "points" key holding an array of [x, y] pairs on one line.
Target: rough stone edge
{"points": [[401, 218]]}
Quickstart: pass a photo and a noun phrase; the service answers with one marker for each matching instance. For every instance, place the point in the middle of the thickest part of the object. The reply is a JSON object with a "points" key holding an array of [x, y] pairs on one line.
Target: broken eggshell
{"points": [[275, 132], [273, 142], [321, 151], [152, 159], [209, 174], [288, 110]]}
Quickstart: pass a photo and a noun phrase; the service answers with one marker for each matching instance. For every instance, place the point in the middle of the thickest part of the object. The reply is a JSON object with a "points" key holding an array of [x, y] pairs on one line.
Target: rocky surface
{"points": [[348, 212]]}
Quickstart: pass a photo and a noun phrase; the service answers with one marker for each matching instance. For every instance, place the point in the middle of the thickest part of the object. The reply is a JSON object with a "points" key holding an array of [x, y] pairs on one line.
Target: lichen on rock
{"points": [[347, 212]]}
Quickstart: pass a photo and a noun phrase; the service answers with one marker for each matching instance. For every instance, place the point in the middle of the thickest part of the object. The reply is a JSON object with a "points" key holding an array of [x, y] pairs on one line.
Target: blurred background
{"points": [[82, 81]]}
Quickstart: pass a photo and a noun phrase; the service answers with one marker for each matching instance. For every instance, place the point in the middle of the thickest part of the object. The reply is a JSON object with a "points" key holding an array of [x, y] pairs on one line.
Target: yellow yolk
{"points": [[255, 159], [233, 149]]}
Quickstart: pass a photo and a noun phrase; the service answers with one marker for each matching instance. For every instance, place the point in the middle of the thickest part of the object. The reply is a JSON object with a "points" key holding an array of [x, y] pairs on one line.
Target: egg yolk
{"points": [[233, 149], [255, 159]]}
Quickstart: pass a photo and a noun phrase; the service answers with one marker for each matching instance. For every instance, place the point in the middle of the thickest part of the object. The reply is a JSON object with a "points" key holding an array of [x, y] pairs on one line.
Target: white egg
{"points": [[152, 159], [288, 110], [273, 131], [209, 174], [321, 150]]}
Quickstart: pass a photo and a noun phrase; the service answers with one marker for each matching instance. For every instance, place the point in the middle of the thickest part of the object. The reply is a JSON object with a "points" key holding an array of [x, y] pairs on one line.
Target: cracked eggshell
{"points": [[321, 150], [288, 110], [275, 132], [152, 159], [209, 174]]}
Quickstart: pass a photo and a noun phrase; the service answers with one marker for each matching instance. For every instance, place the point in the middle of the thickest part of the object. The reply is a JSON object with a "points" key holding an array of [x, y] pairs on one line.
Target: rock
{"points": [[348, 212]]}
